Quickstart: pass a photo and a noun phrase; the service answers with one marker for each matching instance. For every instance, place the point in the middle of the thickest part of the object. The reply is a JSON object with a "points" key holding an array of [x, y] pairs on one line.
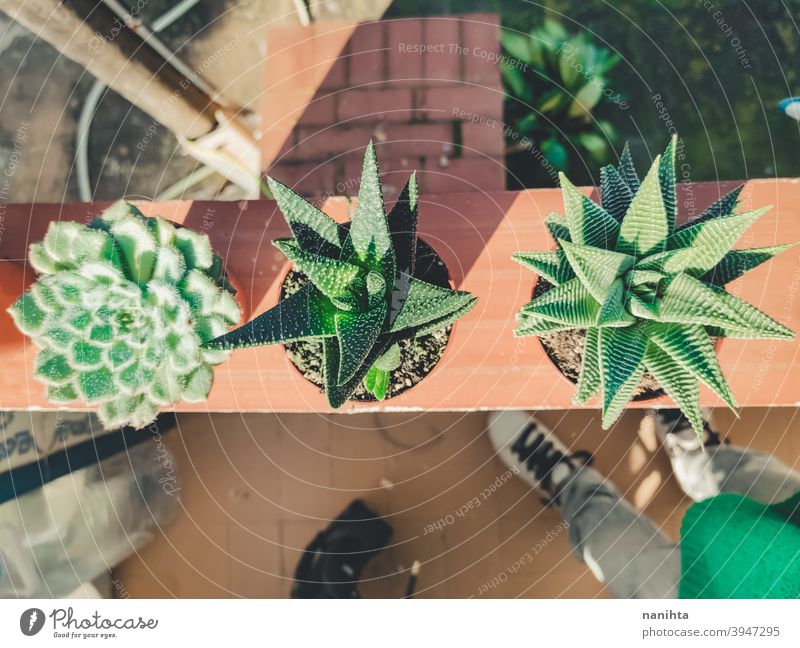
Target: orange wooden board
{"points": [[484, 366]]}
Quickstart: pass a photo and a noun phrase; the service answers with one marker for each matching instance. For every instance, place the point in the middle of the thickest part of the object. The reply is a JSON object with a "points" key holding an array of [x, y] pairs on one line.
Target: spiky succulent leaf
{"points": [[737, 262], [621, 352], [357, 334], [553, 265], [679, 383], [589, 379], [616, 196], [724, 206], [533, 325], [613, 311], [314, 231], [306, 314], [363, 296], [120, 311], [403, 226], [426, 302], [570, 303], [333, 277], [645, 226], [557, 226], [666, 181], [369, 235], [751, 322], [650, 298], [378, 377], [627, 170], [596, 268], [588, 222], [690, 346]]}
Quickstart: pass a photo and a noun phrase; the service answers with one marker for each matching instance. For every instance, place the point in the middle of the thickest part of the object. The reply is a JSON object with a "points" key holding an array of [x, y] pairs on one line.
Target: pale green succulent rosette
{"points": [[648, 292], [120, 311]]}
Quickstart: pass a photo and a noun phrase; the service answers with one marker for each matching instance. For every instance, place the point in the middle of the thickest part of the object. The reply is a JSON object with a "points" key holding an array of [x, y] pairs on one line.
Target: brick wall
{"points": [[426, 91]]}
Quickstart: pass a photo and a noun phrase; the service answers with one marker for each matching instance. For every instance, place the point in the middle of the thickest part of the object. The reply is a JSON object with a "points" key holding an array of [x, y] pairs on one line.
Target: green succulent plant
{"points": [[120, 310], [362, 295], [648, 292], [557, 86]]}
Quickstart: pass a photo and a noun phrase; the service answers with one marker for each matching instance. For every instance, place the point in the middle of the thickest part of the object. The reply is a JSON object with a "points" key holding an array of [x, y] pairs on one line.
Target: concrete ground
{"points": [[256, 489]]}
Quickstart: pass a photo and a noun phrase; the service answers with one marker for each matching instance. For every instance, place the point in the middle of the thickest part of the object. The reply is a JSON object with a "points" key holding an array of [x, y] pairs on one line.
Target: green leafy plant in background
{"points": [[555, 81], [648, 292], [119, 313], [362, 296]]}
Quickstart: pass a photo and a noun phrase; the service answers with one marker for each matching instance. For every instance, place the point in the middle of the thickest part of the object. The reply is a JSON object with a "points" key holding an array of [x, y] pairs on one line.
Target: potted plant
{"points": [[558, 90], [119, 313], [367, 309], [630, 301]]}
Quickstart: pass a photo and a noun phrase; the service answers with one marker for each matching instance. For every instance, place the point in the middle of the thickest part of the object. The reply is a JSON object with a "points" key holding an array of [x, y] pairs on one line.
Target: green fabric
{"points": [[735, 547]]}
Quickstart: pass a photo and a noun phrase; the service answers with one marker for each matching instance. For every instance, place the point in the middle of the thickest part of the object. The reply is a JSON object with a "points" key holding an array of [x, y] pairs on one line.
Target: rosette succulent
{"points": [[119, 313], [648, 292], [362, 296]]}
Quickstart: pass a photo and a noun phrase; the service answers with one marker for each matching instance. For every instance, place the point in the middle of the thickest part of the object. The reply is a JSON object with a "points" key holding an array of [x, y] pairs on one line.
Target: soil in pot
{"points": [[565, 350], [418, 356]]}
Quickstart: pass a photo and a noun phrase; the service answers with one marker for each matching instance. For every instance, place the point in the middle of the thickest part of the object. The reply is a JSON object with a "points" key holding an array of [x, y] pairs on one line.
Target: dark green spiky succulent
{"points": [[120, 310], [648, 292], [362, 296]]}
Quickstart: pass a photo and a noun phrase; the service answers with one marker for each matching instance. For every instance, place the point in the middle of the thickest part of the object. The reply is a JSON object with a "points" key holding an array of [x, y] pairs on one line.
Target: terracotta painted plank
{"points": [[484, 367]]}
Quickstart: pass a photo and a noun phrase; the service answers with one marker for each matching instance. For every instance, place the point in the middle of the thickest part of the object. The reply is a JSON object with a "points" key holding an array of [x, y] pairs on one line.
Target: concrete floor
{"points": [[255, 490]]}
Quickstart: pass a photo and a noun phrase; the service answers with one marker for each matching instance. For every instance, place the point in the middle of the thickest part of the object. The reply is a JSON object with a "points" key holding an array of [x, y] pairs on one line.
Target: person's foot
{"points": [[677, 435], [687, 452], [533, 452]]}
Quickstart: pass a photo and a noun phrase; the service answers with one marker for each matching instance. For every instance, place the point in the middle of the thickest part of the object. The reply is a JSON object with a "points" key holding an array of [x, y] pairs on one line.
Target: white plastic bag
{"points": [[79, 526]]}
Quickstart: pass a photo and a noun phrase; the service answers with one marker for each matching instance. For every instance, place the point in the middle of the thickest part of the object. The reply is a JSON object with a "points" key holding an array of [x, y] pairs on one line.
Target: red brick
{"points": [[463, 174], [485, 138], [481, 36], [394, 174], [306, 179], [391, 104], [337, 75], [443, 65], [415, 140], [449, 103], [324, 143], [404, 35], [367, 54], [321, 110]]}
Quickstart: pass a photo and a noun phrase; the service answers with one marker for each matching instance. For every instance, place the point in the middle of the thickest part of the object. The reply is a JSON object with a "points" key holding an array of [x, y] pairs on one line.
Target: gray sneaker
{"points": [[533, 452], [688, 454]]}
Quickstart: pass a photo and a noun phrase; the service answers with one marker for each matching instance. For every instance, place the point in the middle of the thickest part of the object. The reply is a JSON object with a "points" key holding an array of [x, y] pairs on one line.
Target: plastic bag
{"points": [[77, 527]]}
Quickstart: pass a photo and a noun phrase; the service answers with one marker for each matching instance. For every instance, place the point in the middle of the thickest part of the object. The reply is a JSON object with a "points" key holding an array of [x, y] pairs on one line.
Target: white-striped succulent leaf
{"points": [[648, 292]]}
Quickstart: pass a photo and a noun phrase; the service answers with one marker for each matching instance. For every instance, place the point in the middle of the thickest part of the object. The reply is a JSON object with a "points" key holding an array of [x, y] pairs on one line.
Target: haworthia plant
{"points": [[120, 311], [362, 295], [648, 292]]}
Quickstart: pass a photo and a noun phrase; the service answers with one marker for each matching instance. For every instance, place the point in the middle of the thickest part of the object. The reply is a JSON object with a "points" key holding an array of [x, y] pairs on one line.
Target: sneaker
{"points": [[677, 435], [687, 452], [533, 452]]}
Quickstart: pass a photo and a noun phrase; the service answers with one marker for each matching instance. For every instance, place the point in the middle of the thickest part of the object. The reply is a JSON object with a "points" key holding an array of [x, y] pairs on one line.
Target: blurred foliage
{"points": [[554, 81], [686, 52]]}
